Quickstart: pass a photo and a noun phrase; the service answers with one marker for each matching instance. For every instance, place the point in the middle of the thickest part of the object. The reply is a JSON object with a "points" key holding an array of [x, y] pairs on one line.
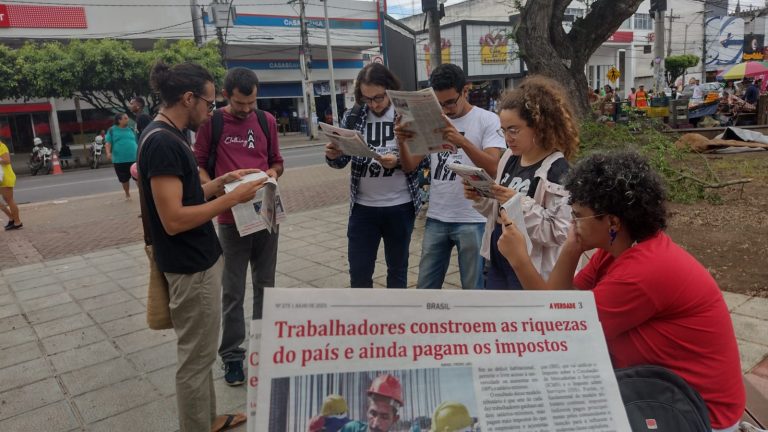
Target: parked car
{"points": [[707, 88]]}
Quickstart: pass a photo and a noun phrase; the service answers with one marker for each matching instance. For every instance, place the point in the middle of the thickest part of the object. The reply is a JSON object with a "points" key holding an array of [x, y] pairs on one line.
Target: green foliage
{"points": [[675, 66], [105, 73], [646, 137]]}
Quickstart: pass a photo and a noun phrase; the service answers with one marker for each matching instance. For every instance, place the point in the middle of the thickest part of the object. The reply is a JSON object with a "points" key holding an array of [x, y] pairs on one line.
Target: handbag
{"points": [[158, 297]]}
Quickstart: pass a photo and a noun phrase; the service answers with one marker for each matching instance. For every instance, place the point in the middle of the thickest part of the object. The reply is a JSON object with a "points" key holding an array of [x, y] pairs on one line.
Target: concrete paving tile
{"points": [[86, 281], [76, 274], [154, 358], [228, 398], [125, 325], [98, 376], [52, 313], [64, 261], [750, 329], [21, 269], [98, 289], [45, 302], [57, 417], [156, 416], [755, 307], [762, 368], [328, 257], [23, 374], [104, 254], [112, 266], [73, 339], [10, 310], [63, 325], [135, 281], [313, 273], [291, 245], [293, 265], [751, 354], [140, 293], [143, 339], [42, 291], [12, 322], [29, 397], [338, 280], [19, 354], [164, 379], [283, 281], [36, 280], [116, 311], [760, 383], [17, 337], [81, 357], [67, 267], [114, 399], [126, 272], [105, 300], [4, 288], [322, 239], [6, 299]]}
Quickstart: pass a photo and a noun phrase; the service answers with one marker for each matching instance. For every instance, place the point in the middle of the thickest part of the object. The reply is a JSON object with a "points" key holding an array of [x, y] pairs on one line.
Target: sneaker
{"points": [[9, 224], [233, 373], [13, 227]]}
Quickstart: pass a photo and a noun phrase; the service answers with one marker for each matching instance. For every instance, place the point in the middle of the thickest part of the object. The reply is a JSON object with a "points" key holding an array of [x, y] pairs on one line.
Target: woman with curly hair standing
{"points": [[538, 126], [657, 304]]}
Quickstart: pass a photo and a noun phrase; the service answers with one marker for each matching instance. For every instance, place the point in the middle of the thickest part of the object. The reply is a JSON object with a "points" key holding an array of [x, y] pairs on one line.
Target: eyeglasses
{"points": [[577, 219], [451, 103], [211, 104], [511, 131], [376, 99]]}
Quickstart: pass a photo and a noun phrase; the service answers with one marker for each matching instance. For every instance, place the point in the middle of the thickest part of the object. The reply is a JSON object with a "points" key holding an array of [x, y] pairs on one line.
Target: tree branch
{"points": [[605, 17], [682, 176]]}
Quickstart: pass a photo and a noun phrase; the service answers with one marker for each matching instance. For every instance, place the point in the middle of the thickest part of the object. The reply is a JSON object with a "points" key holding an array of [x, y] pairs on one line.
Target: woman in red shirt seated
{"points": [[658, 305]]}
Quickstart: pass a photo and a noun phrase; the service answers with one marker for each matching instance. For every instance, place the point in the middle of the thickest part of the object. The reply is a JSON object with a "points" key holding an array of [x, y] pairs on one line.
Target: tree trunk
{"points": [[547, 50]]}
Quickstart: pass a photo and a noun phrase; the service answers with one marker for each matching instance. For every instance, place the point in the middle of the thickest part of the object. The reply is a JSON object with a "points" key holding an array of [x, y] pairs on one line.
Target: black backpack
{"points": [[657, 399], [217, 125]]}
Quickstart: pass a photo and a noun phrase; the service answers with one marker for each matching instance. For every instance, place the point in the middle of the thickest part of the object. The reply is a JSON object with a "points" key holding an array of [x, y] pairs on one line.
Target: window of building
{"points": [[643, 21], [627, 24]]}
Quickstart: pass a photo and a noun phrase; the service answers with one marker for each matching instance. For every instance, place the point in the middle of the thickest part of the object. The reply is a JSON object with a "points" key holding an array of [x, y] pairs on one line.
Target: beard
{"points": [[383, 110]]}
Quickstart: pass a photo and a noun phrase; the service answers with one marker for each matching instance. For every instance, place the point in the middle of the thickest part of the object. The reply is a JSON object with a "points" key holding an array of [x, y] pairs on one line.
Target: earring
{"points": [[612, 233]]}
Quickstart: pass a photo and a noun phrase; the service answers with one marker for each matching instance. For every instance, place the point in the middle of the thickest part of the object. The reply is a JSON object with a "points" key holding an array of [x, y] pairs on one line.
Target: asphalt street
{"points": [[85, 182]]}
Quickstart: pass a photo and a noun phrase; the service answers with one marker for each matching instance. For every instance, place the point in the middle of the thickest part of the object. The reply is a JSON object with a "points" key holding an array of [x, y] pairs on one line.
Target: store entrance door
{"points": [[21, 132]]}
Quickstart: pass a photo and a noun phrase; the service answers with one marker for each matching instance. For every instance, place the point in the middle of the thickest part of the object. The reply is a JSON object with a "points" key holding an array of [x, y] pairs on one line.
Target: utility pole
{"points": [[672, 17], [704, 43], [658, 52], [221, 12], [434, 13], [197, 22], [334, 106], [305, 57]]}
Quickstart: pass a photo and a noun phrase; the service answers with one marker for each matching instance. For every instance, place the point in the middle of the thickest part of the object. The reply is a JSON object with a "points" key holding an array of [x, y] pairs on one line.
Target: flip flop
{"points": [[232, 420]]}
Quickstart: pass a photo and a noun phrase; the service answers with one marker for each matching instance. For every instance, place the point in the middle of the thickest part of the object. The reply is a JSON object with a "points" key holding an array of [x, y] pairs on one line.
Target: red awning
{"points": [[25, 108]]}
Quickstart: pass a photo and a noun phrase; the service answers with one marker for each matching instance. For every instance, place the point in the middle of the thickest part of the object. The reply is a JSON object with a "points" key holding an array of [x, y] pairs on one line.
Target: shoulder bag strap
{"points": [[217, 126], [265, 128]]}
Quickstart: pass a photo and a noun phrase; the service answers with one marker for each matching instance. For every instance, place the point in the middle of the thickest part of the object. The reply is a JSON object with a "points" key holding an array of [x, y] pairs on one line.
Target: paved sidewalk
{"points": [[75, 353]]}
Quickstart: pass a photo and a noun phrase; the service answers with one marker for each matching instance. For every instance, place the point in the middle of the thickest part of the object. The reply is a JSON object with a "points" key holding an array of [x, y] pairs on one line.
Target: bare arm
{"points": [[487, 159], [5, 159], [177, 218]]}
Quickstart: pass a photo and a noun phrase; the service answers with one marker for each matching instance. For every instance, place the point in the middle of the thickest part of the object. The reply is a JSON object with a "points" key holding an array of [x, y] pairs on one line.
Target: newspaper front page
{"points": [[505, 361], [421, 111], [264, 212], [350, 142], [476, 177]]}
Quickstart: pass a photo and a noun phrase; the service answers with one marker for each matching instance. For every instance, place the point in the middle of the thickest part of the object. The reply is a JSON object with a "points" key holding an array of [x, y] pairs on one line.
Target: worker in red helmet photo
{"points": [[385, 397]]}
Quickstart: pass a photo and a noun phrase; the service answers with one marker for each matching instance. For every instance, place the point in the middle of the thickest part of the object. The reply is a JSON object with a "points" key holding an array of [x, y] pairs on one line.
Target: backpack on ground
{"points": [[657, 399], [217, 126]]}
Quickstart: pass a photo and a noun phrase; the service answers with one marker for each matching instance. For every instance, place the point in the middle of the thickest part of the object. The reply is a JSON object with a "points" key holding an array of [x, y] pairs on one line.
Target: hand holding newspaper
{"points": [[514, 209], [265, 211], [476, 177], [350, 142], [421, 111]]}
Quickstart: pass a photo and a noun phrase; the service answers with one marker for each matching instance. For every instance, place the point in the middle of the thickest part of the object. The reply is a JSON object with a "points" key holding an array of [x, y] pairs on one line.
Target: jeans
{"points": [[196, 316], [260, 250], [439, 239], [367, 226]]}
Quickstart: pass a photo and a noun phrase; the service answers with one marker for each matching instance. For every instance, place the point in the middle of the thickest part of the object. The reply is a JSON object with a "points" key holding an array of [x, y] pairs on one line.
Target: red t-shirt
{"points": [[242, 145], [660, 306]]}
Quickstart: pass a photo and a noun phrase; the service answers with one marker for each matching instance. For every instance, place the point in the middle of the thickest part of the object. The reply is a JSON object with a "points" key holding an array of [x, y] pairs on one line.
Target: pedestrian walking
{"points": [[240, 136], [541, 133], [187, 250], [451, 219], [121, 149], [7, 183], [384, 197], [142, 119]]}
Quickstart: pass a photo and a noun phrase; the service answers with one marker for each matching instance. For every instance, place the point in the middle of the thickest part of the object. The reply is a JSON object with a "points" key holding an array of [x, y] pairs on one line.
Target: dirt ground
{"points": [[730, 237]]}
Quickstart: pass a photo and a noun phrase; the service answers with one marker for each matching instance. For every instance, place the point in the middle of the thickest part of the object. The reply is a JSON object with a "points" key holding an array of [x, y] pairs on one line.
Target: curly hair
{"points": [[622, 184], [542, 103]]}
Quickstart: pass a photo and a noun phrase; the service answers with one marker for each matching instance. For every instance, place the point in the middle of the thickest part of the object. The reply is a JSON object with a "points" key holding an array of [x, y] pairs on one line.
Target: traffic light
{"points": [[657, 6]]}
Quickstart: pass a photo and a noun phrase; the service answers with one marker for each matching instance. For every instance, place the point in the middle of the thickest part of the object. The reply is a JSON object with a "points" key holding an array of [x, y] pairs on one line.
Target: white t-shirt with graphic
{"points": [[446, 192], [381, 187]]}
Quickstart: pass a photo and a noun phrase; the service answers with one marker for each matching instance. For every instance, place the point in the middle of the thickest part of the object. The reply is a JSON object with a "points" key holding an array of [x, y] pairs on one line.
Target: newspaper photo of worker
{"points": [[408, 400]]}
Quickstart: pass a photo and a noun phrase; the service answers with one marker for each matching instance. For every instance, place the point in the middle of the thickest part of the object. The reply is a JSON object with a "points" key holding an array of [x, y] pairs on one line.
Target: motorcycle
{"points": [[97, 147], [40, 158]]}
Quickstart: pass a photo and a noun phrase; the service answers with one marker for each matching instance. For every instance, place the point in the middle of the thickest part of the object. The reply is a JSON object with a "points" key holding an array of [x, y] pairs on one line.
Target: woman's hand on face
{"points": [[470, 192], [512, 244], [573, 242], [502, 194]]}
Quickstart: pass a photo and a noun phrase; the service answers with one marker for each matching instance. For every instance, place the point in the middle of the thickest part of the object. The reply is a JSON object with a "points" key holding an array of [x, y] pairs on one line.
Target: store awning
{"points": [[25, 108]]}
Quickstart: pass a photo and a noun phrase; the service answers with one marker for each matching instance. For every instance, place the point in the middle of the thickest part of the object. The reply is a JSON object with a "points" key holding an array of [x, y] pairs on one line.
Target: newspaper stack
{"points": [[264, 212], [350, 142], [421, 111]]}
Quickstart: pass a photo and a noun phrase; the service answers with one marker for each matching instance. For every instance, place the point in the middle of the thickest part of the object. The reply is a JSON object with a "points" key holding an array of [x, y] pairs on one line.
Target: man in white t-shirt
{"points": [[451, 219], [384, 198]]}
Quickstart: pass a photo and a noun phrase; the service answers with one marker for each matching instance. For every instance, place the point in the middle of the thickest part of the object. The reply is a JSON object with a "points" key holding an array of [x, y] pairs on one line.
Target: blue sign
{"points": [[286, 21]]}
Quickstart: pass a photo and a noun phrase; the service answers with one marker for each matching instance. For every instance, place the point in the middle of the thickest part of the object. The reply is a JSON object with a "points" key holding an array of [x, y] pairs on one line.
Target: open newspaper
{"points": [[515, 361], [264, 212], [350, 142], [421, 111], [476, 177]]}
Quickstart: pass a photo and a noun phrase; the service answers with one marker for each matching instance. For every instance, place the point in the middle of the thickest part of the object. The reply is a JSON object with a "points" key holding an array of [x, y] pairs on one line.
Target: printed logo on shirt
{"points": [[378, 135], [443, 159], [517, 183], [251, 140]]}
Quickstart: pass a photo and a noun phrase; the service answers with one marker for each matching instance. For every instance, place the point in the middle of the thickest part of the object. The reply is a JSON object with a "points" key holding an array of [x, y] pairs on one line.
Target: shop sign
{"points": [[445, 53], [622, 37], [28, 16], [494, 48]]}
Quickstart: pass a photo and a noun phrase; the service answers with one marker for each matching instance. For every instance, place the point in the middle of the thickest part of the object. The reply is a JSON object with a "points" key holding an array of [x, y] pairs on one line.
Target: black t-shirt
{"points": [[166, 153], [142, 121], [521, 178]]}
